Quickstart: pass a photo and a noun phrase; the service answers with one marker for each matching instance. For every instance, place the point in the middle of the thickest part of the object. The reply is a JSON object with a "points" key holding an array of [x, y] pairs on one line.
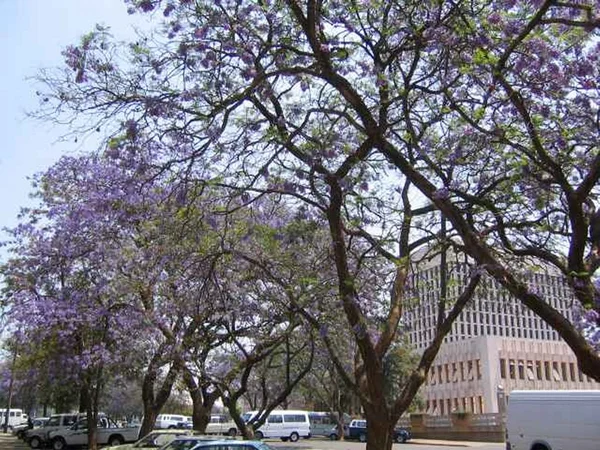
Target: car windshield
{"points": [[181, 444], [54, 421], [263, 446], [155, 439]]}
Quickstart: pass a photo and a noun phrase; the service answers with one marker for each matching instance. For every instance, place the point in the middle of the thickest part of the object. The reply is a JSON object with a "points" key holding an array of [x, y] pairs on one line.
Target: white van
{"points": [[221, 424], [15, 417], [171, 421], [284, 424], [553, 420]]}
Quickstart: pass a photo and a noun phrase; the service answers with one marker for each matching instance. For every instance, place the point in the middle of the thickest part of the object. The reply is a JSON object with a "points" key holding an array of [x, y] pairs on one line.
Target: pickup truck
{"points": [[358, 430], [108, 433], [38, 437]]}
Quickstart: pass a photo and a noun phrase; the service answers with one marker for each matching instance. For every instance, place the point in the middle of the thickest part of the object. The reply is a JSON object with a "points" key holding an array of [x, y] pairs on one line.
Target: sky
{"points": [[32, 35]]}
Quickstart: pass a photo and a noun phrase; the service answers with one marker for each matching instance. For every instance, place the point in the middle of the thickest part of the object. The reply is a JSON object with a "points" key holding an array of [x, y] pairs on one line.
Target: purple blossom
{"points": [[146, 5], [168, 10], [441, 194], [495, 18]]}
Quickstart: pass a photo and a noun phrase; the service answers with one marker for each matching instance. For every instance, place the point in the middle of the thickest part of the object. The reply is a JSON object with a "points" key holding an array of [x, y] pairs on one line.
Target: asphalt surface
{"points": [[10, 442]]}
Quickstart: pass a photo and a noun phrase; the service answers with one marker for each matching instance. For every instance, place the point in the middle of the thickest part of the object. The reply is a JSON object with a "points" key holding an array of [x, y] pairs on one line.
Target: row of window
{"points": [[425, 336], [442, 407], [519, 369], [455, 372]]}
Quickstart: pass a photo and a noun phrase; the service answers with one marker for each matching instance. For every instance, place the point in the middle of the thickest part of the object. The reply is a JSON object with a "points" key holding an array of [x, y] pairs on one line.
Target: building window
{"points": [[572, 371], [555, 374], [478, 363], [538, 370], [530, 374], [563, 367], [521, 368], [547, 370], [502, 368], [511, 369]]}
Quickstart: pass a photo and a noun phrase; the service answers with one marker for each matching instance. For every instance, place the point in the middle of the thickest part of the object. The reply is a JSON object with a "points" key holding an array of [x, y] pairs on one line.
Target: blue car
{"points": [[358, 430]]}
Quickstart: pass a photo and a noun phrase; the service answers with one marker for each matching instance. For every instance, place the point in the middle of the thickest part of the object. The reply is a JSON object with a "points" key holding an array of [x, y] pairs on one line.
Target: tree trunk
{"points": [[202, 401], [380, 429], [154, 403]]}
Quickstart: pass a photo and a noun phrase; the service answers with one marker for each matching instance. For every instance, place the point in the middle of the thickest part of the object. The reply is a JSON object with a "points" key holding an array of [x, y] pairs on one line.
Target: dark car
{"points": [[358, 430]]}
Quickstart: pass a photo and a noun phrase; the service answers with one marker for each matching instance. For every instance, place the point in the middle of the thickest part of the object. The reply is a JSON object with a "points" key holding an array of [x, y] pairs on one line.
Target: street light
{"points": [[501, 397]]}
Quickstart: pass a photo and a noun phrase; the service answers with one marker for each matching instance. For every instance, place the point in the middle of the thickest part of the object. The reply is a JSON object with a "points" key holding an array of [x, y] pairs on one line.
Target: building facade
{"points": [[496, 345]]}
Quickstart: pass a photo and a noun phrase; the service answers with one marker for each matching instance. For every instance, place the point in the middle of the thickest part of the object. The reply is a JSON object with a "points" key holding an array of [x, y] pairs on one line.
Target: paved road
{"points": [[417, 444], [10, 442]]}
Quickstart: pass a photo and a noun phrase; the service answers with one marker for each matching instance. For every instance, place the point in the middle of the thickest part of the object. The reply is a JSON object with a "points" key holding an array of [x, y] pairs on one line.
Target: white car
{"points": [[107, 433]]}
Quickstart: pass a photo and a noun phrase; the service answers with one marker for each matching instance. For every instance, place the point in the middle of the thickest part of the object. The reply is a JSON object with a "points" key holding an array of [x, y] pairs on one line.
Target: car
{"points": [[38, 437], [154, 439], [358, 430], [189, 442], [21, 430], [107, 433], [219, 444]]}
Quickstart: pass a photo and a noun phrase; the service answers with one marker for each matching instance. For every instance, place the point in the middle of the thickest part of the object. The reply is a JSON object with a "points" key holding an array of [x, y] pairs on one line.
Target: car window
{"points": [[70, 420], [275, 418], [154, 440], [226, 447], [181, 444], [53, 422], [294, 418]]}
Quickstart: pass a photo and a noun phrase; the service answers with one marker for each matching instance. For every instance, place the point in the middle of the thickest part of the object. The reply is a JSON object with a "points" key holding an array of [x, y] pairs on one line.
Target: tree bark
{"points": [[153, 403]]}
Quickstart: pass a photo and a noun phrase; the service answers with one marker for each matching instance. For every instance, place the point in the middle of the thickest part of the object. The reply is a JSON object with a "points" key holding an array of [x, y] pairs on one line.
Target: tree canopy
{"points": [[394, 126]]}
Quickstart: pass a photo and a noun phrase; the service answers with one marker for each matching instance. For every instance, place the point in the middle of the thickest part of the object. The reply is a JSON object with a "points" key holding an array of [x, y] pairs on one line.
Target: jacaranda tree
{"points": [[368, 114]]}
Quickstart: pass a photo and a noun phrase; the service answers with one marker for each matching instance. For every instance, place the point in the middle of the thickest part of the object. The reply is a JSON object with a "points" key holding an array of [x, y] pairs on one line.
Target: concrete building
{"points": [[496, 344]]}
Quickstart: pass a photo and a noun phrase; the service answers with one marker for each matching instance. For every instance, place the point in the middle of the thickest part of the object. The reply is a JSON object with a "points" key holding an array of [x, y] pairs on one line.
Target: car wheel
{"points": [[115, 440], [400, 438], [232, 432], [35, 442], [259, 435], [362, 437], [333, 437], [294, 437], [59, 444]]}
